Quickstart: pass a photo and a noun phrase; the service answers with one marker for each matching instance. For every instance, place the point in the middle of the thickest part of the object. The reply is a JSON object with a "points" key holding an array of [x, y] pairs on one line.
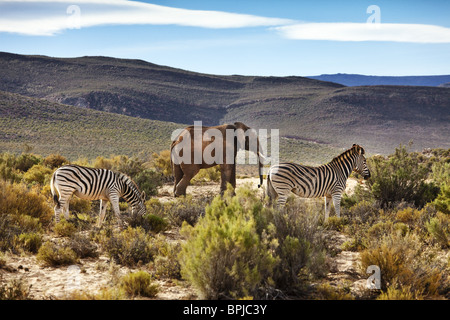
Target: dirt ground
{"points": [[91, 274]]}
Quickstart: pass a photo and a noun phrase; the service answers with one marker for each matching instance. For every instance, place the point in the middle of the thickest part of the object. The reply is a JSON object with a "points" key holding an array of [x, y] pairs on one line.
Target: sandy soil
{"points": [[90, 275]]}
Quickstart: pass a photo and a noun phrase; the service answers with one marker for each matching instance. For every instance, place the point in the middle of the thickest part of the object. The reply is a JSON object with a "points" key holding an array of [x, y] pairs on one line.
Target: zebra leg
{"points": [[281, 202], [327, 207], [101, 217], [57, 212], [116, 209], [337, 204]]}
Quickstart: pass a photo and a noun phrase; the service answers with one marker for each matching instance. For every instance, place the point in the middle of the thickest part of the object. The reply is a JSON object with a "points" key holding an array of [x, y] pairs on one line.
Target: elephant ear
{"points": [[240, 125]]}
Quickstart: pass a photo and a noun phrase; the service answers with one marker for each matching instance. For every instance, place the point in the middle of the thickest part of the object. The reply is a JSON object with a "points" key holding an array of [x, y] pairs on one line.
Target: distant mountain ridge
{"points": [[331, 114], [351, 80]]}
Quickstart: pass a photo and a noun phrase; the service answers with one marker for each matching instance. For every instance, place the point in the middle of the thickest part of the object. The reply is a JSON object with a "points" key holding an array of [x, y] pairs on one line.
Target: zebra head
{"points": [[139, 208], [360, 163]]}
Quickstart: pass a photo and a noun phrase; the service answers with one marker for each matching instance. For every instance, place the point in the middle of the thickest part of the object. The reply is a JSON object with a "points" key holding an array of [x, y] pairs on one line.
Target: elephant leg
{"points": [[178, 175], [188, 173], [228, 175]]}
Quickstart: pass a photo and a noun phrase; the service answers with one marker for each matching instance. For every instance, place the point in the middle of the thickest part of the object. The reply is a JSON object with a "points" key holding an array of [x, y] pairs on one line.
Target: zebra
{"points": [[327, 180], [95, 184]]}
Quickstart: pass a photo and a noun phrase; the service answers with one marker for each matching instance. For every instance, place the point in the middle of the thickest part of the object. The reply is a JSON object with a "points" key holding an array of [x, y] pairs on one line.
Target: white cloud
{"points": [[417, 33], [48, 17]]}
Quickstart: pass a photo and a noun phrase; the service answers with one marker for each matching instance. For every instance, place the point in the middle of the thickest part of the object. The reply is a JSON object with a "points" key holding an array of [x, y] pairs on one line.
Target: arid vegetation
{"points": [[234, 246]]}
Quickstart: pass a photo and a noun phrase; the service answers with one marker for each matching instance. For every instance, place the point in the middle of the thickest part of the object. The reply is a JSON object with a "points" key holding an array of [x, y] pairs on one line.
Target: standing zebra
{"points": [[95, 184], [328, 180]]}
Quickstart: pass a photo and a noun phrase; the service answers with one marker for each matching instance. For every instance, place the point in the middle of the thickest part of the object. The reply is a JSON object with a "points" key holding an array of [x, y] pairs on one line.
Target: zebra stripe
{"points": [[94, 184], [327, 181]]}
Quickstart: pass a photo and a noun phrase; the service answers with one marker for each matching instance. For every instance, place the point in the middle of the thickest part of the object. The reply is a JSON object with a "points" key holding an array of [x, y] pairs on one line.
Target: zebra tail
{"points": [[52, 187]]}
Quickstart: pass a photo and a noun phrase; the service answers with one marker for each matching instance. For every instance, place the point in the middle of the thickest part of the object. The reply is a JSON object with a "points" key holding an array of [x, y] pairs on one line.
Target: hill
{"points": [[75, 132], [363, 80], [308, 112]]}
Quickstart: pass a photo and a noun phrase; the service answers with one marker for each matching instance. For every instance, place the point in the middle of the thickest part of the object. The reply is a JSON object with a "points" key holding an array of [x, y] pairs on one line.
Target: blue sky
{"points": [[248, 37]]}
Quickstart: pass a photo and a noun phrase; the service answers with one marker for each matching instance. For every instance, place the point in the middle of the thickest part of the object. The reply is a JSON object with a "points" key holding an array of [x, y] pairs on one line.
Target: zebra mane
{"points": [[126, 179], [353, 150]]}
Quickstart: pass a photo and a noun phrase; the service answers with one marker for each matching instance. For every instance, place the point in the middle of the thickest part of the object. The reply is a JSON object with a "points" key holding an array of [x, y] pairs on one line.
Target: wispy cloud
{"points": [[49, 17], [417, 33]]}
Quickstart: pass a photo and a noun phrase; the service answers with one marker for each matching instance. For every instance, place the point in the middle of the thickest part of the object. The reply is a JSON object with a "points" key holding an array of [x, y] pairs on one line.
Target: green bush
{"points": [[301, 249], [442, 202], [149, 222], [148, 181], [240, 248], [438, 227], [399, 178], [30, 241], [26, 161], [224, 256]]}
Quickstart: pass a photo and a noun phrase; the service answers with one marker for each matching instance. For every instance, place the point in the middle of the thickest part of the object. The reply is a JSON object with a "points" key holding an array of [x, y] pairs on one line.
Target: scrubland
{"points": [[207, 246]]}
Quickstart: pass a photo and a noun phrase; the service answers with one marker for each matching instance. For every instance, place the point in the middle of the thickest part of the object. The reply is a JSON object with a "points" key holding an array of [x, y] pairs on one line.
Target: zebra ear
{"points": [[143, 195]]}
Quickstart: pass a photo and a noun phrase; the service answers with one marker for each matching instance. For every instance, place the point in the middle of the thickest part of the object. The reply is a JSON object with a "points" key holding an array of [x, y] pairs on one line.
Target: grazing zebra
{"points": [[95, 184], [328, 180]]}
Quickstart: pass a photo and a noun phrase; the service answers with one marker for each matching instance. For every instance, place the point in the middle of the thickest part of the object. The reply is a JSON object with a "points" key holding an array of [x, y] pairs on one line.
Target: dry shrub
{"points": [[30, 241], [83, 247], [187, 209], [130, 247], [103, 294], [403, 293], [64, 228], [51, 254], [22, 210], [166, 263], [139, 284], [15, 289], [54, 161], [17, 200], [405, 261]]}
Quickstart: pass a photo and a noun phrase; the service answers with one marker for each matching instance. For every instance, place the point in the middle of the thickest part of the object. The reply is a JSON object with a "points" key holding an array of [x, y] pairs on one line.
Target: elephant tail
{"points": [[262, 161]]}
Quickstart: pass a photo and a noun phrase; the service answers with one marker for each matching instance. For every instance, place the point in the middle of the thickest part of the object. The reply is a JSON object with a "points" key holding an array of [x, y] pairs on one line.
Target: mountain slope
{"points": [[363, 80], [379, 118], [304, 110], [75, 132]]}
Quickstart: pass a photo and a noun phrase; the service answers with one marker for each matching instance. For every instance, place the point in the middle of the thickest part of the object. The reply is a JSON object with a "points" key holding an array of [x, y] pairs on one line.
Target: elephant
{"points": [[200, 147]]}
